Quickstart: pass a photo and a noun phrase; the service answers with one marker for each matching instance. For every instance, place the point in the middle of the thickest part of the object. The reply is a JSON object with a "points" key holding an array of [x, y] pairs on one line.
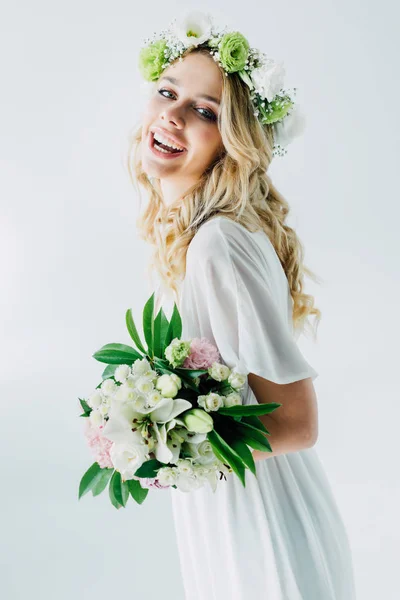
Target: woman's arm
{"points": [[294, 425]]}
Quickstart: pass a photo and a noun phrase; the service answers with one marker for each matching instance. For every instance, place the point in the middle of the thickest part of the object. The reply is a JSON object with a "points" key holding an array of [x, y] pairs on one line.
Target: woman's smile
{"points": [[160, 151]]}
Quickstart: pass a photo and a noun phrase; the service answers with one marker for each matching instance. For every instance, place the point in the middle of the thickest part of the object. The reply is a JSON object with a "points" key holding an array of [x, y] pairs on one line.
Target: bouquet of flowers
{"points": [[168, 415]]}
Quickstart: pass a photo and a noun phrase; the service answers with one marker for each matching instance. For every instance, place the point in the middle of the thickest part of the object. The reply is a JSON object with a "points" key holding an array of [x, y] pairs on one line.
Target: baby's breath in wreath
{"points": [[273, 104]]}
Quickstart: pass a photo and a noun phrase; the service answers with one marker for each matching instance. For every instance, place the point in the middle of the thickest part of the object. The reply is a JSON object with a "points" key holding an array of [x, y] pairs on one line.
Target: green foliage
{"points": [[252, 437], [118, 490], [245, 410], [130, 324], [117, 354], [136, 491], [101, 485], [149, 468], [108, 372], [90, 479], [148, 324], [86, 408], [229, 455]]}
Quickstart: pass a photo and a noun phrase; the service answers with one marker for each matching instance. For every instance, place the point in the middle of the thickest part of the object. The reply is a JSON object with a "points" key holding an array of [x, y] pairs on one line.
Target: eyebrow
{"points": [[205, 96]]}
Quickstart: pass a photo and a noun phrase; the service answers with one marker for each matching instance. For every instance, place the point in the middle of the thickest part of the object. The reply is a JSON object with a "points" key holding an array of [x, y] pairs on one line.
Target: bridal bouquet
{"points": [[168, 415]]}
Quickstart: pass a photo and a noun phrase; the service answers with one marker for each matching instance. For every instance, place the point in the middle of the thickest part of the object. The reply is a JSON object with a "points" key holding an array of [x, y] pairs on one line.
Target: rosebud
{"points": [[167, 386], [232, 399], [218, 371], [237, 380]]}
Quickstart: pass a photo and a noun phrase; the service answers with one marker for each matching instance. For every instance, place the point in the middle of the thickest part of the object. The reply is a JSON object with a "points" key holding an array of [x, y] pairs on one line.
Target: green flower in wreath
{"points": [[233, 51], [151, 60]]}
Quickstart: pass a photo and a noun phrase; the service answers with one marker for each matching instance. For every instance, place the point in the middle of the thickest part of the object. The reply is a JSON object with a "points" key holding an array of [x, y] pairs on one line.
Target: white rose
{"points": [[167, 475], [96, 418], [212, 401], [177, 380], [193, 29], [96, 399], [167, 386], [232, 399], [268, 79], [205, 453], [237, 380], [122, 372], [218, 371], [129, 456], [201, 471], [184, 466]]}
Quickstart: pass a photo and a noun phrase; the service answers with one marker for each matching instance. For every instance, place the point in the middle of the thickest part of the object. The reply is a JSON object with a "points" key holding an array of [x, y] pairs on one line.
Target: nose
{"points": [[171, 115]]}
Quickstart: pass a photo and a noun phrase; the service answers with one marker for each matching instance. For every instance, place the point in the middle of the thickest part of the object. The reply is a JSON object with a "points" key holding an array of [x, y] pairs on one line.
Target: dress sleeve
{"points": [[229, 299]]}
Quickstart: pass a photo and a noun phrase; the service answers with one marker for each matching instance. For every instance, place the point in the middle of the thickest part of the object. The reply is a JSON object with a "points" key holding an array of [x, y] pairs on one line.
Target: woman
{"points": [[217, 223]]}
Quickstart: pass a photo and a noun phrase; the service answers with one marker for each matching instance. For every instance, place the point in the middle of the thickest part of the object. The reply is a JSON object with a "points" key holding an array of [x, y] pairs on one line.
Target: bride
{"points": [[216, 114]]}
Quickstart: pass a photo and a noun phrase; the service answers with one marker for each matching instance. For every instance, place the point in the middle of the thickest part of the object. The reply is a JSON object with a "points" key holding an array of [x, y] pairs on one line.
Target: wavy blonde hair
{"points": [[235, 185]]}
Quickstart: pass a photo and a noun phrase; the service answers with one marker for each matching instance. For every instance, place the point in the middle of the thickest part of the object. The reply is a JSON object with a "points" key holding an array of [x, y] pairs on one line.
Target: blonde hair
{"points": [[235, 185]]}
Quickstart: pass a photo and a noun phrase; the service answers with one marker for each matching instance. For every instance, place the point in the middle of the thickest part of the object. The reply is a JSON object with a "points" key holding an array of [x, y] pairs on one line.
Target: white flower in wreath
{"points": [[193, 29], [291, 127], [268, 79]]}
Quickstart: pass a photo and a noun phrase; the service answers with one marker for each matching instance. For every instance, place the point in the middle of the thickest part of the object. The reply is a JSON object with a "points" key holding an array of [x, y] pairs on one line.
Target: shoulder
{"points": [[220, 236]]}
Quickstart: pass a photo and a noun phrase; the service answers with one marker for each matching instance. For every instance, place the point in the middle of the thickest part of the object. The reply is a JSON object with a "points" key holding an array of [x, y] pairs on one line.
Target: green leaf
{"points": [[218, 455], [229, 455], [161, 325], [102, 482], [111, 490], [244, 410], [243, 75], [90, 479], [192, 373], [148, 324], [252, 437], [120, 488], [244, 452], [255, 422], [149, 468], [175, 326], [108, 372], [133, 331], [86, 408], [117, 354], [163, 332], [157, 335], [85, 405], [137, 492], [164, 367]]}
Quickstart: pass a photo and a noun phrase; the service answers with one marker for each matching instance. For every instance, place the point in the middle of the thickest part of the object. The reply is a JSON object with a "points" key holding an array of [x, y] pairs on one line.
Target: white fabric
{"points": [[281, 537]]}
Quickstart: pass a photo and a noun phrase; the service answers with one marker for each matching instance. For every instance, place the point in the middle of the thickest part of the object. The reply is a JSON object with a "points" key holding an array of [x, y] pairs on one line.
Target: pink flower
{"points": [[99, 445], [202, 354], [152, 482]]}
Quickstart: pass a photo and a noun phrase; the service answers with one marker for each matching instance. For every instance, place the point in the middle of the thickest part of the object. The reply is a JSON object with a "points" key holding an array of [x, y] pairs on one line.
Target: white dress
{"points": [[282, 536]]}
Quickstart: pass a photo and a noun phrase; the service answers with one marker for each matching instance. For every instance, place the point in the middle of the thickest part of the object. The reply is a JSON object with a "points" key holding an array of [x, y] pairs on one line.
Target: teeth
{"points": [[160, 138]]}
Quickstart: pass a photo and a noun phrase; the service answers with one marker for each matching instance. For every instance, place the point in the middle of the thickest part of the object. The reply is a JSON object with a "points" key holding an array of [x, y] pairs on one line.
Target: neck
{"points": [[173, 190]]}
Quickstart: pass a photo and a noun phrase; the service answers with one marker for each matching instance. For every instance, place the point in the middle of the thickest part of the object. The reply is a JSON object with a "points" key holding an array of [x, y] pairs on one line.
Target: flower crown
{"points": [[272, 104]]}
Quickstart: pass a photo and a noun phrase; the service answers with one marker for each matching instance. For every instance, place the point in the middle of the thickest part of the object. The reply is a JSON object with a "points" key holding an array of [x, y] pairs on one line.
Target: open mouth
{"points": [[163, 148]]}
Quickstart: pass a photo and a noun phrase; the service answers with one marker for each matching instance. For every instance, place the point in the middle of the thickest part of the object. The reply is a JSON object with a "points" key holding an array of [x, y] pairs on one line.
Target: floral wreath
{"points": [[272, 103]]}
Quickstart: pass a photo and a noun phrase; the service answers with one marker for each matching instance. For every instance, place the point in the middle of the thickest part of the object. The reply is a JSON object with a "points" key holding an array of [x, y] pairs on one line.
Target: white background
{"points": [[71, 264]]}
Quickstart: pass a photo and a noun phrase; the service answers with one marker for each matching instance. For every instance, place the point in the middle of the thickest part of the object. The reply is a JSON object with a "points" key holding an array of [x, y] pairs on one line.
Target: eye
{"points": [[209, 116]]}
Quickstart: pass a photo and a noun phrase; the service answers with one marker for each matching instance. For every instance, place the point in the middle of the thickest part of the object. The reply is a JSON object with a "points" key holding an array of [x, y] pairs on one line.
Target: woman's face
{"points": [[180, 113]]}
